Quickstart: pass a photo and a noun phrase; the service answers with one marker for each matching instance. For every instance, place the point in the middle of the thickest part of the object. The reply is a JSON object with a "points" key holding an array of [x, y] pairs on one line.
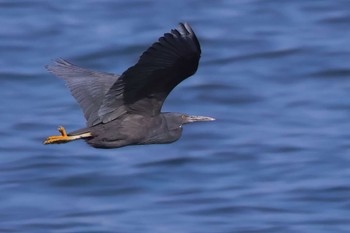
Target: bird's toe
{"points": [[56, 139]]}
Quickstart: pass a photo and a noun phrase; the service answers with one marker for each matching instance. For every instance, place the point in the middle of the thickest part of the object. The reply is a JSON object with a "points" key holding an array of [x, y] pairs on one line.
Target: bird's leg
{"points": [[64, 138]]}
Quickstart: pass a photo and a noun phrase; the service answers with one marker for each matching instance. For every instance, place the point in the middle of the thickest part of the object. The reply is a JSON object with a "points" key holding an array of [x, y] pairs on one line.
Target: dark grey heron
{"points": [[126, 110]]}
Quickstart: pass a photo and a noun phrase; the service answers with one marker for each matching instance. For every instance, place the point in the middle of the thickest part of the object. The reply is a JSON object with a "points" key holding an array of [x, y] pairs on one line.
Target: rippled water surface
{"points": [[274, 73]]}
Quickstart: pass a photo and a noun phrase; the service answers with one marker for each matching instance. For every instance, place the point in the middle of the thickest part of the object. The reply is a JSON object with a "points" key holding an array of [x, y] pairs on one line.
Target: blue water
{"points": [[274, 73]]}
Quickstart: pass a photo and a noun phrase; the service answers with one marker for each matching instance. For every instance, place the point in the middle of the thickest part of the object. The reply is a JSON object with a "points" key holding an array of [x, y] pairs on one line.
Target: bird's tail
{"points": [[64, 137]]}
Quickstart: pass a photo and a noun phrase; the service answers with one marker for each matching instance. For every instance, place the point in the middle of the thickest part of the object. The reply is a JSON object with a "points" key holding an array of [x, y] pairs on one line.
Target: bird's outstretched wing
{"points": [[87, 86], [143, 87]]}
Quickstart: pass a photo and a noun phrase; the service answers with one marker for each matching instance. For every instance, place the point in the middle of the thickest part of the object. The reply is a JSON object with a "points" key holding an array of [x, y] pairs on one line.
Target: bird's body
{"points": [[126, 110], [133, 129]]}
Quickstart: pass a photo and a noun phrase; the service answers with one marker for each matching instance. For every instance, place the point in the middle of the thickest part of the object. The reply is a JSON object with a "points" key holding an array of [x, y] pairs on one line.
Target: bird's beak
{"points": [[190, 119]]}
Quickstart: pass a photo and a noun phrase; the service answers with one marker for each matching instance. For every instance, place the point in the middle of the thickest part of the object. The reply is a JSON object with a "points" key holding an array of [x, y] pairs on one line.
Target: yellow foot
{"points": [[63, 138]]}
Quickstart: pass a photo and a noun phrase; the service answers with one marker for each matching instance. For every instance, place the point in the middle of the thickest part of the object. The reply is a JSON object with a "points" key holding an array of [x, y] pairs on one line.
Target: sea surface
{"points": [[275, 74]]}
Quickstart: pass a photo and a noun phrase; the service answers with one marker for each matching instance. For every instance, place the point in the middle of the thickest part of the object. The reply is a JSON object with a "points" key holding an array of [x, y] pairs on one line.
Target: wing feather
{"points": [[143, 87], [87, 86]]}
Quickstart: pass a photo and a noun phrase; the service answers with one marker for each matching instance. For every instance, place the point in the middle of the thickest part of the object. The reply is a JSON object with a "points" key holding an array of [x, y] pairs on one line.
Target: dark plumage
{"points": [[126, 109]]}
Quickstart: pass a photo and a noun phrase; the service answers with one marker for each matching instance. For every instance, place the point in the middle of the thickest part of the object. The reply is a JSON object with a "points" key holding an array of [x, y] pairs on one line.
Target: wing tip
{"points": [[58, 63], [186, 30]]}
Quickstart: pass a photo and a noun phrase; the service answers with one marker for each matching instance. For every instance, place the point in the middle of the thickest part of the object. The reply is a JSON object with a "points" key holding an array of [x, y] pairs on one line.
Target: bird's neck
{"points": [[163, 131]]}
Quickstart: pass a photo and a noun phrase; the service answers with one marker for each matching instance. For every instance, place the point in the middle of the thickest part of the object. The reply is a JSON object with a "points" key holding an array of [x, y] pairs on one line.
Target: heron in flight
{"points": [[126, 110]]}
